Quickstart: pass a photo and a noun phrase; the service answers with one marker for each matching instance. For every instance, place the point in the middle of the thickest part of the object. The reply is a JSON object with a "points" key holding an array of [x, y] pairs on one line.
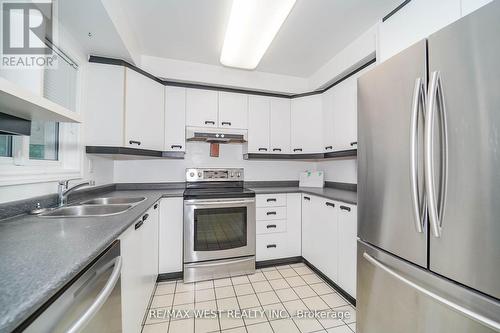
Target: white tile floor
{"points": [[268, 300]]}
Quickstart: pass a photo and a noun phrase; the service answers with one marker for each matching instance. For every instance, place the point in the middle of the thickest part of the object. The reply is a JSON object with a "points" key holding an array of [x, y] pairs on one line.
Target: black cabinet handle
{"points": [[176, 146], [271, 246], [271, 226], [145, 217], [271, 200], [307, 198], [262, 149], [328, 147], [209, 122], [330, 204], [276, 149], [297, 149], [354, 143], [345, 208], [228, 123], [132, 142], [271, 213], [155, 206], [138, 225]]}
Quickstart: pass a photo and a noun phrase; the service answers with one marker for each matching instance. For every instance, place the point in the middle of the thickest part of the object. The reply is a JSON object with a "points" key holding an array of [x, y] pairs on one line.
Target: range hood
{"points": [[10, 125], [216, 135]]}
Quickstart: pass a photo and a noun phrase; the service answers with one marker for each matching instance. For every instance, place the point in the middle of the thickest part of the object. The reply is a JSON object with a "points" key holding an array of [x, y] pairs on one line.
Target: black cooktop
{"points": [[217, 192]]}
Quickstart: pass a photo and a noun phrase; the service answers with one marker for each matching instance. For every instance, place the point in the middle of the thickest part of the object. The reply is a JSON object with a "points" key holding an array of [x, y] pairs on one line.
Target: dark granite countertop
{"points": [[38, 256], [350, 197]]}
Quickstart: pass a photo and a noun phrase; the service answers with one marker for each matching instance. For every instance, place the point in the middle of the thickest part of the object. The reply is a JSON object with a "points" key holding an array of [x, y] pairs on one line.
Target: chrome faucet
{"points": [[64, 191]]}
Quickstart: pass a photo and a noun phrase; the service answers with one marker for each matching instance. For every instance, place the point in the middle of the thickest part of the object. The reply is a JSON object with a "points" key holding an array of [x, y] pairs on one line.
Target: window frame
{"points": [[20, 169]]}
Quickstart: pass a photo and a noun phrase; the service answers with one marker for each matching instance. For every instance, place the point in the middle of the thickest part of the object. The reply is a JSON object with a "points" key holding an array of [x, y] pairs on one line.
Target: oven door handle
{"points": [[218, 202], [218, 263]]}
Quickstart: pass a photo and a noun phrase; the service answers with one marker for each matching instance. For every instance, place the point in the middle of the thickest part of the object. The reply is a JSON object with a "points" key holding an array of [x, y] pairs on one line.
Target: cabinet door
{"points": [[233, 110], [279, 137], [175, 119], [311, 229], [144, 112], [170, 235], [345, 115], [328, 115], [201, 107], [347, 248], [104, 105], [258, 124], [153, 245], [328, 238], [415, 21], [294, 224], [130, 251], [307, 127]]}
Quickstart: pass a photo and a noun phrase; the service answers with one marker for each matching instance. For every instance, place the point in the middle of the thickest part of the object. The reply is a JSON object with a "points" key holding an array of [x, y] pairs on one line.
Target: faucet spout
{"points": [[64, 191]]}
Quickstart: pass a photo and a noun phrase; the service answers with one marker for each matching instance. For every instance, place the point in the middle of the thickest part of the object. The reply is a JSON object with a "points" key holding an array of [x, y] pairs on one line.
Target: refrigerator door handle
{"points": [[419, 204], [435, 102], [452, 305]]}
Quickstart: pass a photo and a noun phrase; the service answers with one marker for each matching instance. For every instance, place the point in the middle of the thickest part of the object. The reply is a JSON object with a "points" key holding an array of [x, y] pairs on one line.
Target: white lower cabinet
{"points": [[139, 252], [278, 236], [170, 235], [347, 240], [329, 239]]}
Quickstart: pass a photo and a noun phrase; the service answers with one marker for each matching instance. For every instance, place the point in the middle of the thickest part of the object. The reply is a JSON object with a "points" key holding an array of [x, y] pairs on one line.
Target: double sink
{"points": [[95, 207]]}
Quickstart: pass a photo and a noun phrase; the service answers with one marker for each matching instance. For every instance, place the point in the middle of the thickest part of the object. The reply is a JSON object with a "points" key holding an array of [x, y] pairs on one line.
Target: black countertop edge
{"points": [[271, 183], [111, 150], [342, 186]]}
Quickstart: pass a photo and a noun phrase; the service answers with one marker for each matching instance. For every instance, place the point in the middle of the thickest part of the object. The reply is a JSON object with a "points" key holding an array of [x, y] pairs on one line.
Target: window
{"points": [[44, 140], [5, 145]]}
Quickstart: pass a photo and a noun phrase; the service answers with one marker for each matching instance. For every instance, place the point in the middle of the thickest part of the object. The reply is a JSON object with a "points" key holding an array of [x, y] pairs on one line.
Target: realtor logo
{"points": [[27, 30]]}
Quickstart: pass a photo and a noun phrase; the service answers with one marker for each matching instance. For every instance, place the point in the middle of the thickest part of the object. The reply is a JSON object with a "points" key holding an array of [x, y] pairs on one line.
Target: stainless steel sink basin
{"points": [[114, 201], [86, 211]]}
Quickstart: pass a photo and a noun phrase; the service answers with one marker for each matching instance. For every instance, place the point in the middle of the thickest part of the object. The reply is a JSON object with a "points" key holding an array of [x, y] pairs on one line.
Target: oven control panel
{"points": [[212, 174]]}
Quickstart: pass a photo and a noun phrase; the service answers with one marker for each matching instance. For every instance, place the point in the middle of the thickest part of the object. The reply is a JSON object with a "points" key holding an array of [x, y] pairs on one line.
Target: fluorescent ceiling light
{"points": [[251, 29]]}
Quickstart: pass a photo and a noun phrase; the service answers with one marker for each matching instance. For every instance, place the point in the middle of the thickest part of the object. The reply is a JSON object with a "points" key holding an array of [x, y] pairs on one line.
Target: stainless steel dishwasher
{"points": [[92, 303]]}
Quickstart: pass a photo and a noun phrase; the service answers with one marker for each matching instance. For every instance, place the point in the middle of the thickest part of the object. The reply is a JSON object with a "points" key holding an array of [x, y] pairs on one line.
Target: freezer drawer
{"points": [[394, 296]]}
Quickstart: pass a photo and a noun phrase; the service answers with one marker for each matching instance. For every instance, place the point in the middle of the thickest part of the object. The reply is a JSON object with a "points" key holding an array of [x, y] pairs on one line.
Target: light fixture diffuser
{"points": [[251, 29]]}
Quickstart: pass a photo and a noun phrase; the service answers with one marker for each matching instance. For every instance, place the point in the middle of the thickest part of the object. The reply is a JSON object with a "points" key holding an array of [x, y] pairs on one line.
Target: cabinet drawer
{"points": [[270, 200], [271, 213], [272, 226], [272, 246]]}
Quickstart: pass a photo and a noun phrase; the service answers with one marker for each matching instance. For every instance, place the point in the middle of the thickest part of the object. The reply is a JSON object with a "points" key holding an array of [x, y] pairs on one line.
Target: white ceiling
{"points": [[193, 30]]}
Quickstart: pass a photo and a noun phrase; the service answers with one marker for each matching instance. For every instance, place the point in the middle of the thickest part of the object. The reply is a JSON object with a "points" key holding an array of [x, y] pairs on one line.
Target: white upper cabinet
{"points": [[175, 119], [258, 124], [415, 21], [306, 125], [144, 112], [233, 110], [328, 120], [104, 104], [344, 115], [201, 108], [279, 139]]}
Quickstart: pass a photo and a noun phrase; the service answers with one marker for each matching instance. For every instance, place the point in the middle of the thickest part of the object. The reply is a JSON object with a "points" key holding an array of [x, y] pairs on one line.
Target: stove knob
{"points": [[238, 174], [199, 174], [191, 174], [231, 174]]}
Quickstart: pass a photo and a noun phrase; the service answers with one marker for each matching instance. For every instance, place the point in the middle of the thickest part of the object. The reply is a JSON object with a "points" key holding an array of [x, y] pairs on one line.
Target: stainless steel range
{"points": [[219, 225]]}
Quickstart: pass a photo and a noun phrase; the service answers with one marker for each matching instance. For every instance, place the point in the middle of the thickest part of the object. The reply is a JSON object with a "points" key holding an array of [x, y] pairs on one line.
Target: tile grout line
{"points": [[258, 300]]}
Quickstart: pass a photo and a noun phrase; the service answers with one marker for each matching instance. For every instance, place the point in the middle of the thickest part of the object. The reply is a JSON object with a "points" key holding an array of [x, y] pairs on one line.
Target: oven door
{"points": [[218, 229]]}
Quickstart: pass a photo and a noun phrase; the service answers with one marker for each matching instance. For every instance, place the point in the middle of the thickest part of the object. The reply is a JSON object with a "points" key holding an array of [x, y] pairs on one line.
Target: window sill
{"points": [[29, 175]]}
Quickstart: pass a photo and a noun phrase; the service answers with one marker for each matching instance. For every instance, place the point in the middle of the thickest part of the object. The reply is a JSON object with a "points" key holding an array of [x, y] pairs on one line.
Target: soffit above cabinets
{"points": [[22, 103], [193, 31]]}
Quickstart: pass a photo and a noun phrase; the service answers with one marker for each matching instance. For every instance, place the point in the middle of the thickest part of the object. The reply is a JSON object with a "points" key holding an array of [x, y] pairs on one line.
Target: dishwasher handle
{"points": [[101, 298]]}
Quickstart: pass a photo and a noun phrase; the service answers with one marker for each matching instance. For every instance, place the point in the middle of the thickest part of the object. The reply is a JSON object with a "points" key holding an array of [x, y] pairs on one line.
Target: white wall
{"points": [[197, 155], [343, 170]]}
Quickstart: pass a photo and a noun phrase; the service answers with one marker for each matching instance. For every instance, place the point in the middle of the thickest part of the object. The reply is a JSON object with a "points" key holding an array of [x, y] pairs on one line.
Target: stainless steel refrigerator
{"points": [[429, 184]]}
